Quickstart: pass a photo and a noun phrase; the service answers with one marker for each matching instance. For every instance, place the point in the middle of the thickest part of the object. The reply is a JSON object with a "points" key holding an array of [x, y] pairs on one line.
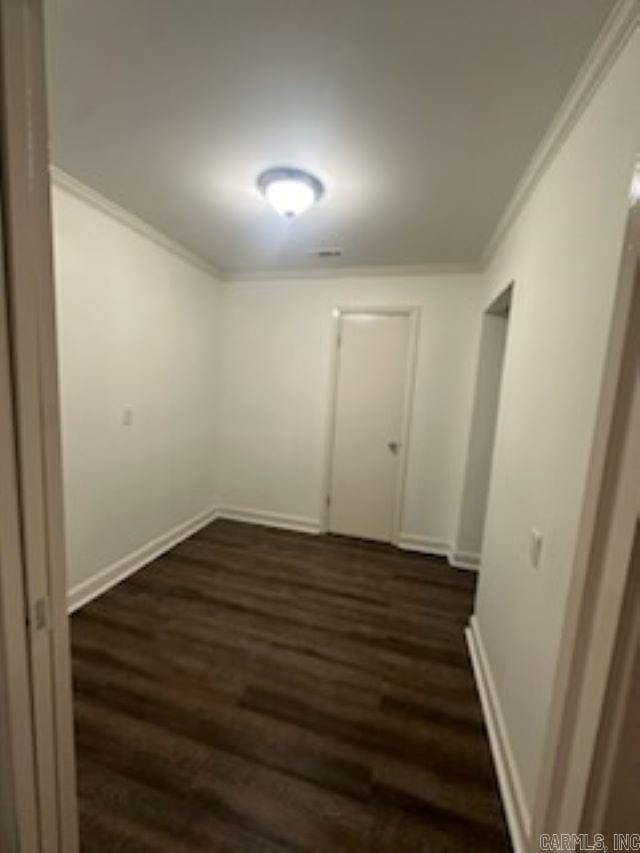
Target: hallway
{"points": [[261, 690]]}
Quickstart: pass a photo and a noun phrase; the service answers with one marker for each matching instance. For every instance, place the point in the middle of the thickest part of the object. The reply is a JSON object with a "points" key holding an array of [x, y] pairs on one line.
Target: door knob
{"points": [[394, 446]]}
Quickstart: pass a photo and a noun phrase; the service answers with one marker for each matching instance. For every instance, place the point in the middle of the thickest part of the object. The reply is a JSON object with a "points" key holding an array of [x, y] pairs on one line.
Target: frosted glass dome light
{"points": [[290, 191]]}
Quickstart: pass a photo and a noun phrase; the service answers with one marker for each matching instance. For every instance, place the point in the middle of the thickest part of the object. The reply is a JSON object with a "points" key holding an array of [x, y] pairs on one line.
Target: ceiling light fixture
{"points": [[290, 191]]}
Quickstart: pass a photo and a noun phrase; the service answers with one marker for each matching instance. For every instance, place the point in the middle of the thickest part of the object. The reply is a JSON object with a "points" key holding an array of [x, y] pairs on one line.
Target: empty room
{"points": [[320, 470]]}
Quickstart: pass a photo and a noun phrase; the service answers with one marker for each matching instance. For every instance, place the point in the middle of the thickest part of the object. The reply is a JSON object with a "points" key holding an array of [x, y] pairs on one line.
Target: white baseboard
{"points": [[104, 579], [109, 576], [299, 523], [464, 560], [513, 798], [303, 524], [424, 544], [439, 548]]}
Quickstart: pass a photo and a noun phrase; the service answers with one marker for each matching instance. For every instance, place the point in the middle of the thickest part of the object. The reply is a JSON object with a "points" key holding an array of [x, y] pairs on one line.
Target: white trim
{"points": [[584, 649], [439, 548], [617, 30], [104, 579], [64, 181], [382, 271], [334, 361], [19, 816], [464, 560], [29, 289], [306, 524], [299, 523], [424, 544], [413, 313], [511, 789]]}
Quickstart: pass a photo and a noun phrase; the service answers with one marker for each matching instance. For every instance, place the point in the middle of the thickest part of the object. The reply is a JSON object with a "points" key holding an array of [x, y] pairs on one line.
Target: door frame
{"points": [[587, 645], [413, 313], [19, 827], [619, 698], [36, 572], [496, 309]]}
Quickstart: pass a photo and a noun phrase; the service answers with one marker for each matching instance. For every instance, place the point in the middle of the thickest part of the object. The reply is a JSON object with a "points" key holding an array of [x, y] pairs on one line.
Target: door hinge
{"points": [[328, 500], [41, 619], [339, 339]]}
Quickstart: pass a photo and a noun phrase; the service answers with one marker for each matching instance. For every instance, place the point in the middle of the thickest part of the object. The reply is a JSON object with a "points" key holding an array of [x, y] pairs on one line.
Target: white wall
{"points": [[277, 365], [139, 327], [563, 252], [230, 390]]}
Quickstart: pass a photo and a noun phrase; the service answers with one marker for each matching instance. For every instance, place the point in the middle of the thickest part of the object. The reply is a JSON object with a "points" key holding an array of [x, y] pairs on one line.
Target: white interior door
{"points": [[370, 404]]}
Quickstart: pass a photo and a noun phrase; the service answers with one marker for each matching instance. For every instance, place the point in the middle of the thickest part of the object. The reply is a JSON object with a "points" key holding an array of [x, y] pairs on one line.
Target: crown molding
{"points": [[413, 271], [617, 31], [64, 181], [67, 182]]}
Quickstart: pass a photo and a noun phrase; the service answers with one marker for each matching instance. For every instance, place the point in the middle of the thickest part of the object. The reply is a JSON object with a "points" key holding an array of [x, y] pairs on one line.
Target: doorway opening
{"points": [[371, 405], [486, 402]]}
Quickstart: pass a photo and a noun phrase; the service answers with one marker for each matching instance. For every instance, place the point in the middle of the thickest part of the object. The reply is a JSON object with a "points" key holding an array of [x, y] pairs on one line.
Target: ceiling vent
{"points": [[330, 252]]}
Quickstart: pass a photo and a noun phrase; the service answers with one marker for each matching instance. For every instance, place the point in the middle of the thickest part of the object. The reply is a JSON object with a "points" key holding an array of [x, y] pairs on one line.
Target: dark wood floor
{"points": [[260, 690]]}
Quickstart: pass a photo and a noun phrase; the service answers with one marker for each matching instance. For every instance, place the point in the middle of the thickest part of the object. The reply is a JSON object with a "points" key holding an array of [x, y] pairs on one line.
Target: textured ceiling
{"points": [[419, 115]]}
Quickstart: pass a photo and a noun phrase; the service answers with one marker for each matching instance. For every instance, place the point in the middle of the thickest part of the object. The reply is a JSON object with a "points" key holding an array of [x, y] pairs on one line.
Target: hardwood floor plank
{"points": [[265, 690]]}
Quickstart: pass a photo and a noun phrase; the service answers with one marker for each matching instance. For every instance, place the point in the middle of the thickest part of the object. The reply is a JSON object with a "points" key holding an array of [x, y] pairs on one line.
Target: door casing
{"points": [[19, 824], [29, 337], [588, 641], [412, 312]]}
